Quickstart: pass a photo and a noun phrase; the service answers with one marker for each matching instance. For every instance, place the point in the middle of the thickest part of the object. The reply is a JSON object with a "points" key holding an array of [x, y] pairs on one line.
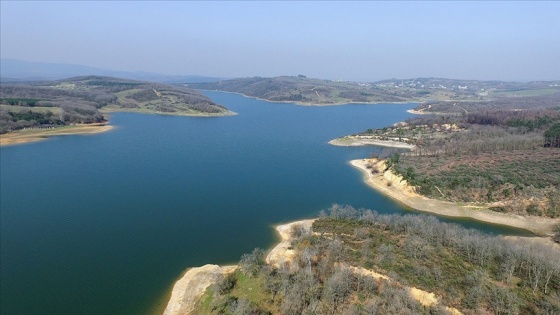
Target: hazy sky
{"points": [[361, 41]]}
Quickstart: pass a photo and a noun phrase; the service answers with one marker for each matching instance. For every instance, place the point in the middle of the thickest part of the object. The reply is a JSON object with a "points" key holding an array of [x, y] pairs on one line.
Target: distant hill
{"points": [[83, 99], [305, 90], [12, 70]]}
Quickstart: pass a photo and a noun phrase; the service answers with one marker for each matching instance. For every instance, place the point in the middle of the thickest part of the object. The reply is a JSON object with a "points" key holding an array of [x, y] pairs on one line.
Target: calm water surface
{"points": [[105, 224]]}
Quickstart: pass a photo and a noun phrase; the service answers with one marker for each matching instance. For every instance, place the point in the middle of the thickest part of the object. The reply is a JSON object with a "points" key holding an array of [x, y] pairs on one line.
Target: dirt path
{"points": [[423, 297], [398, 189]]}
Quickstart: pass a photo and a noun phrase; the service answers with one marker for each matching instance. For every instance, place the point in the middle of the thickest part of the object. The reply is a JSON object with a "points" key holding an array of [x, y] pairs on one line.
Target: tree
{"points": [[552, 136], [251, 263], [556, 236]]}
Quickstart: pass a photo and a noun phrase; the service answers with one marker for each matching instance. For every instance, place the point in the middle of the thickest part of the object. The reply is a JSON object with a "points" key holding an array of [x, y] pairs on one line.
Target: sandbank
{"points": [[350, 141], [395, 187], [33, 135]]}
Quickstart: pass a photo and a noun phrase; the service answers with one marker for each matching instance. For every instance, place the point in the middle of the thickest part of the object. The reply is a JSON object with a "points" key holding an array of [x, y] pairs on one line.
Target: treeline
{"points": [[530, 120], [331, 271], [50, 96], [506, 103]]}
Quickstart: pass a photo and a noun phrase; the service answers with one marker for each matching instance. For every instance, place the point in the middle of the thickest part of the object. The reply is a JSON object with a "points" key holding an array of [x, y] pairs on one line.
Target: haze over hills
{"points": [[12, 70], [305, 90]]}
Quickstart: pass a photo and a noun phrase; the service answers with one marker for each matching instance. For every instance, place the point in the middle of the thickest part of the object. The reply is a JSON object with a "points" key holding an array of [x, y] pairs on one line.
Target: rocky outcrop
{"points": [[192, 286]]}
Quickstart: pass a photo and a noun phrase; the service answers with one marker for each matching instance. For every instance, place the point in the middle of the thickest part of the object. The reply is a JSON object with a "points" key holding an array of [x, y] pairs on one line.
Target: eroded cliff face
{"points": [[390, 178]]}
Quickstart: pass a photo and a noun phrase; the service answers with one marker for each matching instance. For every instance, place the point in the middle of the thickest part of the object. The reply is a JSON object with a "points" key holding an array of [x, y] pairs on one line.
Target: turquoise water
{"points": [[104, 224]]}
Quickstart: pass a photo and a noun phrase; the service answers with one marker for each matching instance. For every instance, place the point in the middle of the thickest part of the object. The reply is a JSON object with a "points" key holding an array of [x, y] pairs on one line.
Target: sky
{"points": [[356, 41]]}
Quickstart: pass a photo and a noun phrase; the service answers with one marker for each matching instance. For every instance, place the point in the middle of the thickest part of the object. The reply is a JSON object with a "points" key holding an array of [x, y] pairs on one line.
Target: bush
{"points": [[556, 236], [225, 284]]}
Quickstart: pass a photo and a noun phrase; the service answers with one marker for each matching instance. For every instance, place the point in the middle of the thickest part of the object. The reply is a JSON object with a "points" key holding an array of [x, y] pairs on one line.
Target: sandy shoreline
{"points": [[399, 191], [350, 141], [33, 135], [281, 254]]}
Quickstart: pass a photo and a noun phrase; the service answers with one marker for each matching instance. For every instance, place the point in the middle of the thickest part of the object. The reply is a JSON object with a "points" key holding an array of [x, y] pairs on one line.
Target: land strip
{"points": [[39, 134], [398, 189]]}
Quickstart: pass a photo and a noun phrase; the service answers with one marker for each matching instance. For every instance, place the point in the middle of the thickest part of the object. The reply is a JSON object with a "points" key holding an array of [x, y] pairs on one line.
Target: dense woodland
{"points": [[467, 270], [81, 100]]}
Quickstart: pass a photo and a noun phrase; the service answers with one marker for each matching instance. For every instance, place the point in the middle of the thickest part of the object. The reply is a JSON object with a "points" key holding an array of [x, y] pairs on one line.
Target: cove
{"points": [[104, 224]]}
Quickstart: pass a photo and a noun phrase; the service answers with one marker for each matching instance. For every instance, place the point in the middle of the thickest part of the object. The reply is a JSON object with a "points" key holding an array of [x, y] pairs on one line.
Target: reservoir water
{"points": [[104, 224]]}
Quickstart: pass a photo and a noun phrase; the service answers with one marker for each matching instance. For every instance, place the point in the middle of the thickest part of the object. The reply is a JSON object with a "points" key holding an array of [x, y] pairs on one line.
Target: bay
{"points": [[104, 224]]}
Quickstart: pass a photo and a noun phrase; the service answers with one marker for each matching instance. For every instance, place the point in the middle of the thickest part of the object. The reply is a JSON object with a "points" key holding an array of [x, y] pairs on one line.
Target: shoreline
{"points": [[122, 110], [314, 104], [192, 284], [396, 188], [34, 135], [26, 136], [421, 112], [281, 254], [349, 141]]}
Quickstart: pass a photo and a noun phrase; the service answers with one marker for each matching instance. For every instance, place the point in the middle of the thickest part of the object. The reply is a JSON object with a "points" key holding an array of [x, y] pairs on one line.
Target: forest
{"points": [[83, 100], [506, 159], [356, 261]]}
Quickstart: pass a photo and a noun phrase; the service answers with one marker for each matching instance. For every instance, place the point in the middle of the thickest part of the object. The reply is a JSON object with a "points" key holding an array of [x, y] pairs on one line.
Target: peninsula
{"points": [[357, 261], [495, 162], [35, 110]]}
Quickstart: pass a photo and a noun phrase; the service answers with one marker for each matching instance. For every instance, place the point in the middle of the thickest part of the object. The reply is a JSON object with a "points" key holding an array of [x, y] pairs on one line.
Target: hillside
{"points": [[305, 90], [12, 70], [549, 98], [359, 262], [82, 100]]}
